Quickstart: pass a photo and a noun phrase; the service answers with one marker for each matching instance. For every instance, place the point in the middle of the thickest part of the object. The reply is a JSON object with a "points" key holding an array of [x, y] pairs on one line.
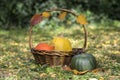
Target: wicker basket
{"points": [[56, 58]]}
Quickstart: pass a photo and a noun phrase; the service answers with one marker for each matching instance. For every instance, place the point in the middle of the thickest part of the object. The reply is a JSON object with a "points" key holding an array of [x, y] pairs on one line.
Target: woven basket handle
{"points": [[65, 10]]}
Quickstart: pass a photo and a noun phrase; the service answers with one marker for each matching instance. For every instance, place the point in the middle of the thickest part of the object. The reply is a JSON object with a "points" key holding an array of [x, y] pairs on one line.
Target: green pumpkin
{"points": [[84, 61]]}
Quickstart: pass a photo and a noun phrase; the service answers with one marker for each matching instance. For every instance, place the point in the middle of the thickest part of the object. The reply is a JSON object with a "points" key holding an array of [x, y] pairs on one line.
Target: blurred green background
{"points": [[17, 13]]}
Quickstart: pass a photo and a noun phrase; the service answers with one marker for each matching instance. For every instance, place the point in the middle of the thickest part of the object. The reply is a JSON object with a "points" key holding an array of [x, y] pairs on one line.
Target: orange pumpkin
{"points": [[44, 46]]}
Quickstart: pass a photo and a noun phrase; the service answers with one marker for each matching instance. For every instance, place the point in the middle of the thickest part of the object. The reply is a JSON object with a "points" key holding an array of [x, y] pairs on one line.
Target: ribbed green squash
{"points": [[84, 61]]}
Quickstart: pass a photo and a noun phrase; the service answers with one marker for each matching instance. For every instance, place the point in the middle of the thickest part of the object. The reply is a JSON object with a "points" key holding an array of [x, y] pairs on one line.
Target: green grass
{"points": [[17, 63]]}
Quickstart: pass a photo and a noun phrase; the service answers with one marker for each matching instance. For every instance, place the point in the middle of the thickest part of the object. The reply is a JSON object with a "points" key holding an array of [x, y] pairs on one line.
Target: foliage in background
{"points": [[18, 12]]}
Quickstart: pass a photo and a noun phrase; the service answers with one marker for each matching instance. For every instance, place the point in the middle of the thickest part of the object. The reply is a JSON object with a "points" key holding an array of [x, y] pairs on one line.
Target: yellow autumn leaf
{"points": [[43, 75], [101, 78], [75, 72], [81, 19], [115, 52], [53, 75], [46, 14], [83, 72], [62, 15], [97, 70]]}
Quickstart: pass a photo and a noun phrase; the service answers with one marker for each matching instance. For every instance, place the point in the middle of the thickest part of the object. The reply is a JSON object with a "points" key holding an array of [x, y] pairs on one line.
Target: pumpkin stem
{"points": [[85, 37]]}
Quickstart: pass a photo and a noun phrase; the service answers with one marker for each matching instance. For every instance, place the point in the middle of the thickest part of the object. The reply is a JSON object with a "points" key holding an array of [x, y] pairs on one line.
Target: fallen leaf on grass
{"points": [[101, 78], [83, 72], [66, 68], [79, 72], [75, 72], [53, 75], [97, 70], [114, 78], [43, 75], [92, 79]]}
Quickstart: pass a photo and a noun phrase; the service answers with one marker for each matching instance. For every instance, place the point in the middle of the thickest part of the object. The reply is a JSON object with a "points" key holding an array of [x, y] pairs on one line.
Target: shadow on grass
{"points": [[114, 57]]}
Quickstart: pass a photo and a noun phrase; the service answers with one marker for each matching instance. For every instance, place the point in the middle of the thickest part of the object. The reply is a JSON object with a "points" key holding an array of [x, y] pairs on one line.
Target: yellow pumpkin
{"points": [[62, 44]]}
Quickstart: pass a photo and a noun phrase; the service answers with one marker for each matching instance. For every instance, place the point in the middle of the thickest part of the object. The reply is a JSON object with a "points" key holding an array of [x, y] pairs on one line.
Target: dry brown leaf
{"points": [[97, 70], [75, 72], [43, 75], [101, 78], [53, 75], [92, 79], [79, 72], [36, 19], [83, 72], [114, 78], [67, 68]]}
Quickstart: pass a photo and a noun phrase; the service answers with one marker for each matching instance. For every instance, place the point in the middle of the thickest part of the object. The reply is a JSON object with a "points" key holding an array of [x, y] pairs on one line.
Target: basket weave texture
{"points": [[55, 58]]}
